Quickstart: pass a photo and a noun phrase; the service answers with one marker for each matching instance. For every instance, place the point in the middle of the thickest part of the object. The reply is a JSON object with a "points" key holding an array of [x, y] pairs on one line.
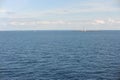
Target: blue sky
{"points": [[59, 14]]}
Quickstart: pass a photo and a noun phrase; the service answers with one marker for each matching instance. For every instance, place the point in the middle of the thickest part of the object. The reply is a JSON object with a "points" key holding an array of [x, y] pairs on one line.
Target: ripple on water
{"points": [[64, 55]]}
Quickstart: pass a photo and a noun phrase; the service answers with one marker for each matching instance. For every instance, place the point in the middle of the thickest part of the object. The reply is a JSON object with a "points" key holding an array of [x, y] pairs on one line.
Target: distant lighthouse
{"points": [[83, 29]]}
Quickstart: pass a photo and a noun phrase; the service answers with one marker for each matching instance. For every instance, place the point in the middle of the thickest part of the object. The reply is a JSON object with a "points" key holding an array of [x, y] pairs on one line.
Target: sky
{"points": [[59, 14]]}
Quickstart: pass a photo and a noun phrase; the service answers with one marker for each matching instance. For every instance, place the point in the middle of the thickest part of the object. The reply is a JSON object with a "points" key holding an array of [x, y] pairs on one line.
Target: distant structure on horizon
{"points": [[83, 30]]}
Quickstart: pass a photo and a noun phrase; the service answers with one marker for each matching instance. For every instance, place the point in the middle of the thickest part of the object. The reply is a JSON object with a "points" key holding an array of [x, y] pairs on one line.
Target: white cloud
{"points": [[27, 22], [112, 21], [3, 11], [59, 22], [105, 21], [6, 13], [99, 22], [118, 21], [34, 23]]}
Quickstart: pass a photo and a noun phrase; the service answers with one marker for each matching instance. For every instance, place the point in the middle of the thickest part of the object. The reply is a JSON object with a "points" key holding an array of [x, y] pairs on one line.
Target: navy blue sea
{"points": [[59, 55]]}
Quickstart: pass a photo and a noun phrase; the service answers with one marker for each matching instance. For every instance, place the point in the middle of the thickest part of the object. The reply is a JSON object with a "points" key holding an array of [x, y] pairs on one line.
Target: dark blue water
{"points": [[59, 55]]}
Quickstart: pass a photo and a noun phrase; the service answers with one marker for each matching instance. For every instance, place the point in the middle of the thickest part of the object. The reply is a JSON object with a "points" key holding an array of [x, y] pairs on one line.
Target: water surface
{"points": [[59, 55]]}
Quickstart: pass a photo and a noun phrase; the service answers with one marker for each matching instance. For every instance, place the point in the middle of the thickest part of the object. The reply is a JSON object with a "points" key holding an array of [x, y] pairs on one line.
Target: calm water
{"points": [[60, 55]]}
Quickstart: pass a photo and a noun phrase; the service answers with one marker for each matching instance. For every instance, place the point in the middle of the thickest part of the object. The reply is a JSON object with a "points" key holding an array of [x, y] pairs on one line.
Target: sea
{"points": [[59, 55]]}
